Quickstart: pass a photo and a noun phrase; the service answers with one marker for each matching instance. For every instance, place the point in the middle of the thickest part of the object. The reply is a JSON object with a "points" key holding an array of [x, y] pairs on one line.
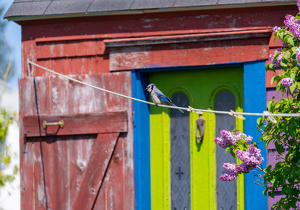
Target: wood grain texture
{"points": [[102, 149], [75, 124], [54, 168]]}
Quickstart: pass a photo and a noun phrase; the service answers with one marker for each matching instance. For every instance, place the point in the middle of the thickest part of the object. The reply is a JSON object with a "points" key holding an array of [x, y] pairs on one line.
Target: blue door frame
{"points": [[254, 101]]}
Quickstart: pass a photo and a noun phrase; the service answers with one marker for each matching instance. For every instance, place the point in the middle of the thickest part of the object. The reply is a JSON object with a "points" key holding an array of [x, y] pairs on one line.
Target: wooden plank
{"points": [[28, 52], [87, 47], [80, 148], [67, 66], [81, 65], [43, 50], [26, 106], [58, 66], [49, 64], [215, 36], [121, 85], [100, 64], [84, 99], [58, 49], [102, 150], [41, 197], [59, 89], [76, 124], [73, 48], [189, 54], [143, 34], [112, 193]]}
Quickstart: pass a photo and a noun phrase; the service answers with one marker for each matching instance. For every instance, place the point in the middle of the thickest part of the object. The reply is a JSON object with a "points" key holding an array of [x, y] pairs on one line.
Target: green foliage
{"points": [[6, 118], [285, 133]]}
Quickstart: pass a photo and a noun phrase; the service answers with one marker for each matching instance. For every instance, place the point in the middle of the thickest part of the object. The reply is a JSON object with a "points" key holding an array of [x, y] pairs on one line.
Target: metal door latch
{"points": [[200, 125], [61, 124]]}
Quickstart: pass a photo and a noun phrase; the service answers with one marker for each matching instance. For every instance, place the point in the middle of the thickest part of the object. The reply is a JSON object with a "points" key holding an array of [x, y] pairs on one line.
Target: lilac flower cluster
{"points": [[276, 28], [228, 138], [293, 25], [251, 158], [232, 173], [277, 61], [287, 82]]}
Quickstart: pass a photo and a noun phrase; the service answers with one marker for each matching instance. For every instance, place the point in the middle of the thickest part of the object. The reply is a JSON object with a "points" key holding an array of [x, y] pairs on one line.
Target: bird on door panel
{"points": [[158, 97]]}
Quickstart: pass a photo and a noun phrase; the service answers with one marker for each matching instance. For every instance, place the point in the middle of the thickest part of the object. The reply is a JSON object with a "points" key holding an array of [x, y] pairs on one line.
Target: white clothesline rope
{"points": [[172, 107]]}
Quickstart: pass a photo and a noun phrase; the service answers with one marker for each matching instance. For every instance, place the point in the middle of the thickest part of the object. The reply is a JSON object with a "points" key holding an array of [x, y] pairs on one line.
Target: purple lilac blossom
{"points": [[276, 28], [230, 167], [277, 61], [228, 176], [293, 25], [221, 142], [251, 157], [298, 4], [228, 138], [287, 82], [244, 168]]}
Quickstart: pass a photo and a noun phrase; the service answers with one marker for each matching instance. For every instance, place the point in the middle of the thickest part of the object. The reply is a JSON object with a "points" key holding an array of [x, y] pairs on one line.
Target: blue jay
{"points": [[158, 97]]}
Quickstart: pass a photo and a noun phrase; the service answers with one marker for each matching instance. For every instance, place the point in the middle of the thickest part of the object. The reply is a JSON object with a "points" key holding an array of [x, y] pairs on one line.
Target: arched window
{"points": [[180, 154], [226, 191]]}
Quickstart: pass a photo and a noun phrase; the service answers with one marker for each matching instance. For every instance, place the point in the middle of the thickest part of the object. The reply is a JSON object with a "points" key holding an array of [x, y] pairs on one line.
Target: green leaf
{"points": [[293, 87], [294, 49], [291, 41], [228, 148], [270, 102], [265, 191], [275, 78], [271, 67], [297, 16], [271, 194], [298, 84], [235, 130], [284, 63], [286, 55], [293, 75], [232, 153], [278, 86], [273, 180]]}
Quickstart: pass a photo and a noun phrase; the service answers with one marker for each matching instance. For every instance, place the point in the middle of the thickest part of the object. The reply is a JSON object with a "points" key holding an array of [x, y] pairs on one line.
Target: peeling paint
{"points": [[81, 164], [150, 20], [201, 16], [148, 26], [77, 186], [41, 194], [91, 143]]}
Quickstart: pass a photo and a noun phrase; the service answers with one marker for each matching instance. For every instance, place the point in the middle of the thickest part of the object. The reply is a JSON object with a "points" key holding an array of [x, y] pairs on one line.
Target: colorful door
{"points": [[185, 172]]}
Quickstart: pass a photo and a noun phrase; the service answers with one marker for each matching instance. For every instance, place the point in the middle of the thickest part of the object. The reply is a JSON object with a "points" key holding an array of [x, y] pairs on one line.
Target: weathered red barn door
{"points": [[87, 162]]}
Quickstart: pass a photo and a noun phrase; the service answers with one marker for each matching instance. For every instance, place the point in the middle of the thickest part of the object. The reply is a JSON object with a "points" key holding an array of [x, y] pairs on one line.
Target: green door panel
{"points": [[201, 86]]}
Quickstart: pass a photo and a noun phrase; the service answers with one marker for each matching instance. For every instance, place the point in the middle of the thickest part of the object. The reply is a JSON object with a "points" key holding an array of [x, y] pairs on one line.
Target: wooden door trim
{"points": [[76, 124]]}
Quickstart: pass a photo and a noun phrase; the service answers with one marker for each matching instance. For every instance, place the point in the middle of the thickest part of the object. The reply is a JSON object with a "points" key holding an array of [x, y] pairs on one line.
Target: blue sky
{"points": [[13, 34]]}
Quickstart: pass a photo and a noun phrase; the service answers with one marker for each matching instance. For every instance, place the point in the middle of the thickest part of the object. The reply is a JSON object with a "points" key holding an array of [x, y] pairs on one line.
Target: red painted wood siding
{"points": [[76, 46], [95, 162]]}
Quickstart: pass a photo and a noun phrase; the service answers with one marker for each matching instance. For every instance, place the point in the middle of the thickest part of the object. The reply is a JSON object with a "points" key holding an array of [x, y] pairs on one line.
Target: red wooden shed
{"points": [[101, 158]]}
